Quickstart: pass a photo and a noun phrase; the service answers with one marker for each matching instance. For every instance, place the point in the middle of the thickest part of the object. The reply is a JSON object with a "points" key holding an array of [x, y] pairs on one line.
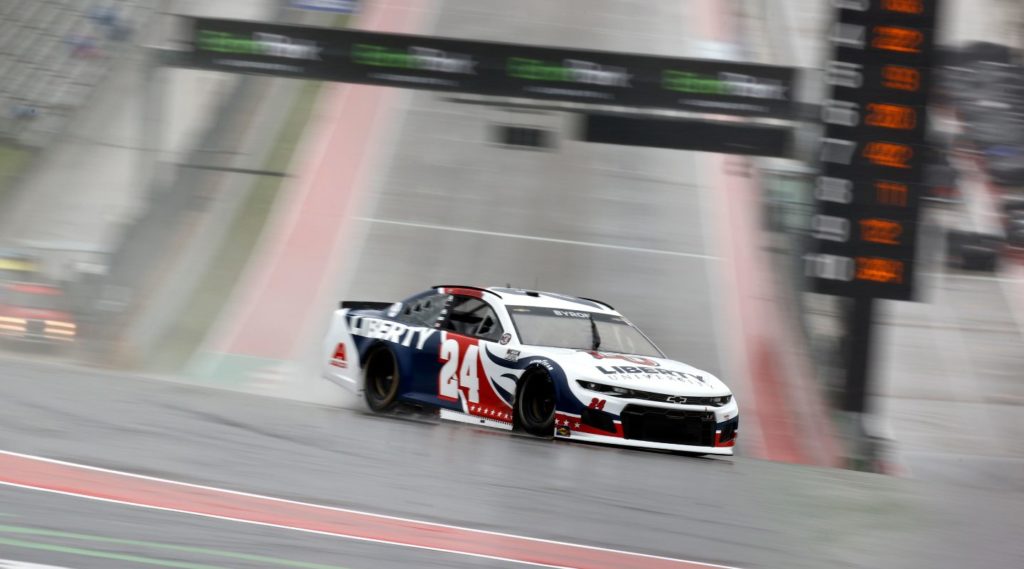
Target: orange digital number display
{"points": [[879, 270], [889, 154], [898, 117], [903, 6], [901, 78], [883, 231], [891, 193], [893, 38]]}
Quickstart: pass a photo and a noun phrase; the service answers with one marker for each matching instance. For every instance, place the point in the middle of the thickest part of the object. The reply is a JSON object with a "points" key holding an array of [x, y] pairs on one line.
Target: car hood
{"points": [[658, 375]]}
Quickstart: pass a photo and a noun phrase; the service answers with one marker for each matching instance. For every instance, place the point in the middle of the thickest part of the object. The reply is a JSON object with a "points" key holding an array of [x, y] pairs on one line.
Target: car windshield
{"points": [[579, 329]]}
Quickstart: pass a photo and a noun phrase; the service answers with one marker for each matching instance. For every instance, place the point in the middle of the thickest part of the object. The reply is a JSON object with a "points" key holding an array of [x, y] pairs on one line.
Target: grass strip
{"points": [[13, 162], [212, 290], [184, 336]]}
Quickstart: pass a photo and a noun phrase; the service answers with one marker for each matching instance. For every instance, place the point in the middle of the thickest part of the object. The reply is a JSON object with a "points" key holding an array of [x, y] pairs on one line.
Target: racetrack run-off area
{"points": [[727, 511], [86, 482]]}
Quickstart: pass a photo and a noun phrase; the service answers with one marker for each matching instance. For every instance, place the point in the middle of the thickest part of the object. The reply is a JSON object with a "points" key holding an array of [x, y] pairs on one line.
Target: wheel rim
{"points": [[382, 376]]}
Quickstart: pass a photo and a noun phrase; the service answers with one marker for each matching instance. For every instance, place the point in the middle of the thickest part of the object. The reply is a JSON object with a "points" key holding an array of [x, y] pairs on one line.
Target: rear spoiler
{"points": [[364, 305]]}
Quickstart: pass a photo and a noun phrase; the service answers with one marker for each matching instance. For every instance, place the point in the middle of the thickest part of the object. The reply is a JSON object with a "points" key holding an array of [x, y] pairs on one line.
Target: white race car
{"points": [[539, 362]]}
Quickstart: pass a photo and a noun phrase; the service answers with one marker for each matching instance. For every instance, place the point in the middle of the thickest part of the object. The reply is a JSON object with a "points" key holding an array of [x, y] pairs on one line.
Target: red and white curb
{"points": [[69, 479]]}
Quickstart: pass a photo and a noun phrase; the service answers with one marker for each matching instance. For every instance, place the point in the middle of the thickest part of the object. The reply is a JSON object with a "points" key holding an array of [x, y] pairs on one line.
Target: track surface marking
{"points": [[538, 238], [48, 475]]}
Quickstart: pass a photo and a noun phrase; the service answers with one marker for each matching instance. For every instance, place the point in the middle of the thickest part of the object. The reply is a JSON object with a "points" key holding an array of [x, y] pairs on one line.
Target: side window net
{"points": [[473, 317]]}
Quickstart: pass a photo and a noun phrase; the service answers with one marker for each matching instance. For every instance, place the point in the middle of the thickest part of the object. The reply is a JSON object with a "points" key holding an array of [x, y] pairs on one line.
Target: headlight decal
{"points": [[614, 390]]}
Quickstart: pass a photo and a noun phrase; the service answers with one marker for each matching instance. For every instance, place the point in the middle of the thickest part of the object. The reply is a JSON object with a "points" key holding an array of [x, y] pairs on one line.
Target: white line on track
{"points": [[11, 564], [537, 238], [469, 531], [279, 526]]}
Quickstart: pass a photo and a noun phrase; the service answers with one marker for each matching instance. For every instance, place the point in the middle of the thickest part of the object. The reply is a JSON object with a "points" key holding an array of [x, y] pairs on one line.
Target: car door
{"points": [[470, 328]]}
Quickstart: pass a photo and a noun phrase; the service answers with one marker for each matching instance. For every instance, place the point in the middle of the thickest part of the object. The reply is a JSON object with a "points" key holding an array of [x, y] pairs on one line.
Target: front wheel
{"points": [[535, 404], [381, 374]]}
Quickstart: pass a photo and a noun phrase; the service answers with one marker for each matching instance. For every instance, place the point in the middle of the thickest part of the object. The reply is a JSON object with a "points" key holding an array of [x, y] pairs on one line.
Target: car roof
{"points": [[528, 297]]}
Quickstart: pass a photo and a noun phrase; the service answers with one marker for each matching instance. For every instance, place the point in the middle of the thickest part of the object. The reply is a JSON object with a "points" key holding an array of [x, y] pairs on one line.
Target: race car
{"points": [[35, 312], [546, 364]]}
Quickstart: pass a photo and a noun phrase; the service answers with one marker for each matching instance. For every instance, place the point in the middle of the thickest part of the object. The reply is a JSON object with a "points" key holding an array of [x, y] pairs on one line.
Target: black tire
{"points": [[535, 404], [381, 374]]}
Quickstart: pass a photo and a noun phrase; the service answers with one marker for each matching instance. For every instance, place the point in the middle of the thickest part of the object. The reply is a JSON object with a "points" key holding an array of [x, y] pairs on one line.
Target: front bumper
{"points": [[685, 430]]}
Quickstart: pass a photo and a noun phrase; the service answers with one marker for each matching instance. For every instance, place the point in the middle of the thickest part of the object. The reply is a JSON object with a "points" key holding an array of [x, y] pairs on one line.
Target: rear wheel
{"points": [[535, 404], [381, 374]]}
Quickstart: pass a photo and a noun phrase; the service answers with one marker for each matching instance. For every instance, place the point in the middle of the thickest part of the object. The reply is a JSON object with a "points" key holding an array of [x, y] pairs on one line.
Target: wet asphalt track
{"points": [[738, 511]]}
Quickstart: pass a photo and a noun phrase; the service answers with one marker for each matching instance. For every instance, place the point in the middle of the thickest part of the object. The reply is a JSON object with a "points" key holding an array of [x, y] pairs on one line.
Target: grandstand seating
{"points": [[53, 54]]}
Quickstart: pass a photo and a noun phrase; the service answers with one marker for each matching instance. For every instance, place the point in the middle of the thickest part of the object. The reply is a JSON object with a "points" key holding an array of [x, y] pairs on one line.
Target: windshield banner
{"points": [[488, 68]]}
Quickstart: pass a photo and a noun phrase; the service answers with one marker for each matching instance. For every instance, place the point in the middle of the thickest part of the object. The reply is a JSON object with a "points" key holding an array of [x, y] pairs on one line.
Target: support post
{"points": [[858, 354], [864, 446]]}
